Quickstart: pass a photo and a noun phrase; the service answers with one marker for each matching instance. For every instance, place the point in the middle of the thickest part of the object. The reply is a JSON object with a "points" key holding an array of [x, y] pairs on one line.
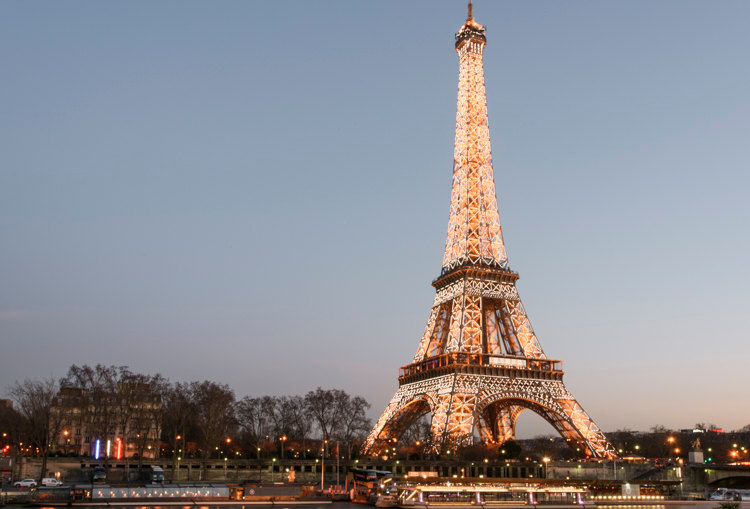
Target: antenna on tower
{"points": [[471, 15]]}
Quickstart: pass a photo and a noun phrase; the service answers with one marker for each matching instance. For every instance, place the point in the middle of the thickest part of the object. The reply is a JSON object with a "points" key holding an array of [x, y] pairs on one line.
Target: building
{"points": [[120, 423]]}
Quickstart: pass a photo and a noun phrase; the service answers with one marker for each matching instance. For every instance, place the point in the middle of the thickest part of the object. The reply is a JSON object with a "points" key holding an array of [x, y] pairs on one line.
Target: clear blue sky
{"points": [[257, 193]]}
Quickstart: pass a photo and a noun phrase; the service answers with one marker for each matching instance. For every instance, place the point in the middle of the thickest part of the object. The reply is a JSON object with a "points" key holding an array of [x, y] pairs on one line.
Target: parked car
{"points": [[51, 482], [99, 475], [156, 474], [25, 483]]}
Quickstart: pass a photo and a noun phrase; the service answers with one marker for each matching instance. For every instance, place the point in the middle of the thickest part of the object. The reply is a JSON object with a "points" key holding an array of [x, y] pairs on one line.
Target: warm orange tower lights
{"points": [[479, 364]]}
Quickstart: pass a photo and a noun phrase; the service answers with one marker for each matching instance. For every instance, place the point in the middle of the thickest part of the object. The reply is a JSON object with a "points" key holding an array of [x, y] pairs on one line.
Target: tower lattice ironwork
{"points": [[479, 363]]}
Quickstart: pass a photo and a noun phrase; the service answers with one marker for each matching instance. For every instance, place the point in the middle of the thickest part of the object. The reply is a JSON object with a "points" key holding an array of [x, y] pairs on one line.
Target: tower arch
{"points": [[399, 416]]}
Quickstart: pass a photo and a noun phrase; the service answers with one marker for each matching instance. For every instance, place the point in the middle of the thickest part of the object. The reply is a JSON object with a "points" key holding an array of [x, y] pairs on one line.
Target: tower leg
{"points": [[452, 421], [587, 433], [406, 406], [507, 424]]}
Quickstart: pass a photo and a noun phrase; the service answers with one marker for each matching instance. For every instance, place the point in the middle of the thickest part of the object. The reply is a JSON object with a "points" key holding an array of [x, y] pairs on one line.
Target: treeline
{"points": [[298, 426], [200, 419]]}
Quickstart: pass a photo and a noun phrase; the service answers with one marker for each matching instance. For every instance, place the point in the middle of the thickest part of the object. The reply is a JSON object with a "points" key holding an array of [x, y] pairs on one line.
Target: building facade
{"points": [[121, 423]]}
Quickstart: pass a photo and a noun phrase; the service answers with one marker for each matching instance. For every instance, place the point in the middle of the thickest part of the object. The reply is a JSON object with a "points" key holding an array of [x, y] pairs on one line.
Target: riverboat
{"points": [[174, 495], [153, 494], [730, 494], [459, 496], [372, 487]]}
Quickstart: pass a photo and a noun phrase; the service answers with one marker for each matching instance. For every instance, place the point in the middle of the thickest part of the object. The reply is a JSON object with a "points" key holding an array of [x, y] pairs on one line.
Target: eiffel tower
{"points": [[479, 363]]}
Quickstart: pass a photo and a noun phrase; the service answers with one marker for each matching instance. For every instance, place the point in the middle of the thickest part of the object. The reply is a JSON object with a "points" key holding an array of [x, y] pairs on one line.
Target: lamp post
{"points": [[226, 456], [614, 466], [670, 443], [282, 439], [545, 460], [323, 464]]}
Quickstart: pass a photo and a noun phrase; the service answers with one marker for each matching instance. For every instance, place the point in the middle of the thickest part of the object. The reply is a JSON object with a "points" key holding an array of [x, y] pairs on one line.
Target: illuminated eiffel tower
{"points": [[479, 363]]}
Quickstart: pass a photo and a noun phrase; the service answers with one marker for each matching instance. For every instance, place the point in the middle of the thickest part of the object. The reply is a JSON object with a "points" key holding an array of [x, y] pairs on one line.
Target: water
{"points": [[239, 505], [348, 505]]}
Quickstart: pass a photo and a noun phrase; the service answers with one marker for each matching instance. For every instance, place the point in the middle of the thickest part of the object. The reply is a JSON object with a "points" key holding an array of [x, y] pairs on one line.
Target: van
{"points": [[51, 482], [156, 474]]}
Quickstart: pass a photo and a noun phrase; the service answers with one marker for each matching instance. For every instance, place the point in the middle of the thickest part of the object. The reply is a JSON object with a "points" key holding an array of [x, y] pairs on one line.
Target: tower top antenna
{"points": [[471, 14]]}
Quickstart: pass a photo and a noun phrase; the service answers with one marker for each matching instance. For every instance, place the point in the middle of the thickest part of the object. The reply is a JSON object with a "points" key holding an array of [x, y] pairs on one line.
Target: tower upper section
{"points": [[474, 233], [470, 32]]}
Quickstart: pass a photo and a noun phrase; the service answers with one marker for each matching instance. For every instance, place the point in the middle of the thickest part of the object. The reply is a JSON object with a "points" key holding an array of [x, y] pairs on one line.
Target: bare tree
{"points": [[214, 416], [35, 400], [418, 432], [299, 416], [177, 415], [99, 406], [542, 446], [276, 413], [142, 403], [253, 421], [354, 424], [326, 408], [707, 426], [13, 426]]}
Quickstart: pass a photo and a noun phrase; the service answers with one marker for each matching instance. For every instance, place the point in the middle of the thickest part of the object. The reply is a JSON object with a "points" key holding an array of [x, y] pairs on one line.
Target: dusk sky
{"points": [[256, 193]]}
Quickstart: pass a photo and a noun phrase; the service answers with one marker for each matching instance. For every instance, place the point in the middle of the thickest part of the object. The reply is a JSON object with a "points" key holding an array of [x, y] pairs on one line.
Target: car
{"points": [[156, 474], [99, 475], [51, 482], [25, 483]]}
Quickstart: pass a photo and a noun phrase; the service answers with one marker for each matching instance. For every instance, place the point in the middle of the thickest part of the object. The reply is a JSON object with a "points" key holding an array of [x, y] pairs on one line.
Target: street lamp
{"points": [[323, 464], [545, 460], [282, 439]]}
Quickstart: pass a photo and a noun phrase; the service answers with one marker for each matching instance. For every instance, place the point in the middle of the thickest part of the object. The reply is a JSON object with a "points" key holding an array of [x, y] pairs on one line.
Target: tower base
{"points": [[462, 402]]}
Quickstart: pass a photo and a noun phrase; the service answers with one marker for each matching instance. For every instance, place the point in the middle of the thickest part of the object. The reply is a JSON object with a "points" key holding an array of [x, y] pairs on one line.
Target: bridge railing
{"points": [[475, 359]]}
